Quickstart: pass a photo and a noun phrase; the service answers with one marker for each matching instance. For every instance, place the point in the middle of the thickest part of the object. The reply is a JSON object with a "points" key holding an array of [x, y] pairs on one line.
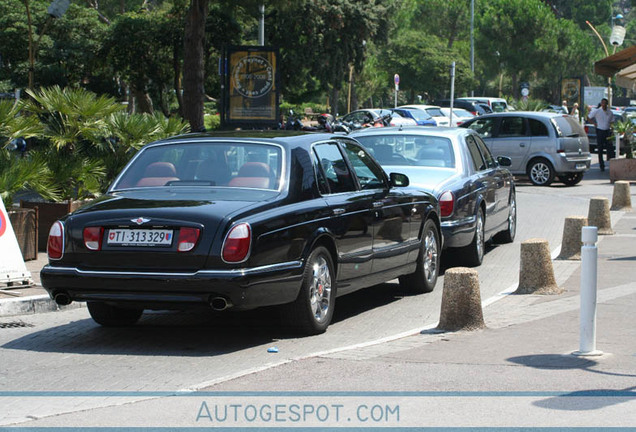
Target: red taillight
{"points": [[55, 245], [446, 203], [237, 243], [587, 129], [93, 238], [187, 239]]}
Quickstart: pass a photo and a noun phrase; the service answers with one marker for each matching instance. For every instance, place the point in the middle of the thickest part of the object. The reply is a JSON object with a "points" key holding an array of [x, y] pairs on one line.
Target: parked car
{"points": [[459, 115], [555, 109], [433, 111], [476, 194], [242, 220], [373, 118], [541, 145], [421, 117], [475, 108], [495, 104]]}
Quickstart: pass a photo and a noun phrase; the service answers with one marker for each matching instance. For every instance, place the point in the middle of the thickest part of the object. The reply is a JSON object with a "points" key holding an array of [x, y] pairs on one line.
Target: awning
{"points": [[622, 64]]}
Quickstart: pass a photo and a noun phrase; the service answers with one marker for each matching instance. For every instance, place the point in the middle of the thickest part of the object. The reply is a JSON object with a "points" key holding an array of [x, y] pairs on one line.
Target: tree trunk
{"points": [[143, 103], [354, 94], [335, 94], [193, 64], [176, 67]]}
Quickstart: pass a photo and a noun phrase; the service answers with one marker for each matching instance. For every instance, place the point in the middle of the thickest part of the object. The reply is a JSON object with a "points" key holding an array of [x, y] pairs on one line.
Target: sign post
{"points": [[396, 78], [12, 267]]}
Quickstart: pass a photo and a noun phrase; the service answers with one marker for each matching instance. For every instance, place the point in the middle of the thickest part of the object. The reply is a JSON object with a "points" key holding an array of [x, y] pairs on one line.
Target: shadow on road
{"points": [[192, 333]]}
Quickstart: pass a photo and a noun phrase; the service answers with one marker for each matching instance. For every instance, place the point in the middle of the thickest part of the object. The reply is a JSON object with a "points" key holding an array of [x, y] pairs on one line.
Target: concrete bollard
{"points": [[461, 301], [598, 215], [571, 243], [536, 275], [621, 199]]}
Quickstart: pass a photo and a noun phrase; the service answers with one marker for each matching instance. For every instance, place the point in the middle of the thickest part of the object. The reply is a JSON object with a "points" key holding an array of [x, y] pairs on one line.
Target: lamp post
{"points": [[472, 41], [55, 10], [609, 79], [618, 32]]}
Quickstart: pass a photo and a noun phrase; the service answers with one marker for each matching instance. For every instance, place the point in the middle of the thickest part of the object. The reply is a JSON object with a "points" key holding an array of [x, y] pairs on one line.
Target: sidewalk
{"points": [[520, 371], [20, 300]]}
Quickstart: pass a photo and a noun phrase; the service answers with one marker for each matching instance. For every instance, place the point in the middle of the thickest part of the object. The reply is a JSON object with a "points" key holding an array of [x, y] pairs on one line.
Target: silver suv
{"points": [[541, 145]]}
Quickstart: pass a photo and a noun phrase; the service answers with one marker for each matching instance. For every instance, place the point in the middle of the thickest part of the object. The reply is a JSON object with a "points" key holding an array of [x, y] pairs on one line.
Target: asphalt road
{"points": [[171, 352]]}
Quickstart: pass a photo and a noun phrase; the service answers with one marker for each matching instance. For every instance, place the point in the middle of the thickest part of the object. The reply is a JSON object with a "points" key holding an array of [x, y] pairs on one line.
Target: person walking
{"points": [[603, 117]]}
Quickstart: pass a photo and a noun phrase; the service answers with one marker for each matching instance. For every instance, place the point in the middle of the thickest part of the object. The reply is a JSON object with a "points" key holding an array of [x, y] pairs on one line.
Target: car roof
{"points": [[455, 109], [532, 114], [419, 106], [283, 137], [440, 131], [478, 98]]}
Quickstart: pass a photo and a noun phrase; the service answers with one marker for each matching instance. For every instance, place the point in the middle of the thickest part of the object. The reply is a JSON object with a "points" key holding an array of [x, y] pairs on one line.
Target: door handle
{"points": [[378, 204], [522, 144], [338, 211]]}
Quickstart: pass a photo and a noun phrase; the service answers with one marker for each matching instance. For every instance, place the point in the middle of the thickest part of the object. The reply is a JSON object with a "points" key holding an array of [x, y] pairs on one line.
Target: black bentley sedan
{"points": [[243, 220], [475, 191]]}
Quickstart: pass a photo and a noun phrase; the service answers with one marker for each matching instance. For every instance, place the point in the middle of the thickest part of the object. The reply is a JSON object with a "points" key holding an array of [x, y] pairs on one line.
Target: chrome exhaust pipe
{"points": [[62, 299], [220, 303]]}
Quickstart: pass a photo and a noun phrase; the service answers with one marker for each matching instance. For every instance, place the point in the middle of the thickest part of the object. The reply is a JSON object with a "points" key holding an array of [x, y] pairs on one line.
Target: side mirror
{"points": [[399, 180], [504, 161]]}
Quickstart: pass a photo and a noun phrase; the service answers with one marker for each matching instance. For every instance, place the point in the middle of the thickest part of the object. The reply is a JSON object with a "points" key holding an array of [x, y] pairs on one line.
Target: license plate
{"points": [[139, 237], [580, 166]]}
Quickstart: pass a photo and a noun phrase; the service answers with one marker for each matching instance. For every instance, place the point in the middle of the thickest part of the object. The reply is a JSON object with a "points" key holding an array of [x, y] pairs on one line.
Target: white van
{"points": [[495, 104]]}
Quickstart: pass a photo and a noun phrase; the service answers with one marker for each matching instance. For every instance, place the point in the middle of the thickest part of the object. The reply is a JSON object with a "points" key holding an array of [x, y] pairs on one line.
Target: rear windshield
{"points": [[499, 106], [435, 112], [410, 150], [417, 114], [224, 164], [568, 126]]}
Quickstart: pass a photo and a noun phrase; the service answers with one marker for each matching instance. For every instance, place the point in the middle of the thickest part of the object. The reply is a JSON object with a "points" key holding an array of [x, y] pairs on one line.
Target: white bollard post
{"points": [[618, 147], [589, 264]]}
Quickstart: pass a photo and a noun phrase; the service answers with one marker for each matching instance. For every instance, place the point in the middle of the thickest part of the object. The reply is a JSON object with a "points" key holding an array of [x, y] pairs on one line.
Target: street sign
{"points": [[397, 79], [12, 267]]}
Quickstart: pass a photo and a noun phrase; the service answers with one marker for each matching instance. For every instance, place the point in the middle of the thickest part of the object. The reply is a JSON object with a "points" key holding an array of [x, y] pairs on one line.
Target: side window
{"points": [[334, 168], [512, 127], [485, 152], [368, 172], [475, 155], [484, 127], [537, 128]]}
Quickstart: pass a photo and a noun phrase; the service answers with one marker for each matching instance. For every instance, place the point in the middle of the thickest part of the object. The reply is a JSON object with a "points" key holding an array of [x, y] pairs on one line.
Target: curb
{"points": [[33, 305]]}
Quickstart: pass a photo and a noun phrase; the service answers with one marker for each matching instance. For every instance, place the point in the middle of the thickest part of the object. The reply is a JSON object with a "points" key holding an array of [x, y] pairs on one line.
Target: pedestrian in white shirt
{"points": [[603, 117]]}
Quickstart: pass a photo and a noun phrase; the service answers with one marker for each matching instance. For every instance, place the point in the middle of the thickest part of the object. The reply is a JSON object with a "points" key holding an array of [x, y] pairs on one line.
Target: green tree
{"points": [[328, 38], [142, 48], [514, 35], [579, 11], [424, 64]]}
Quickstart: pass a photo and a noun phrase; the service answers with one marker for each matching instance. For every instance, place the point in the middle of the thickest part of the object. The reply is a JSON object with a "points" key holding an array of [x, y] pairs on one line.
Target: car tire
{"points": [[474, 253], [508, 236], [424, 278], [571, 179], [540, 172], [312, 311], [113, 316]]}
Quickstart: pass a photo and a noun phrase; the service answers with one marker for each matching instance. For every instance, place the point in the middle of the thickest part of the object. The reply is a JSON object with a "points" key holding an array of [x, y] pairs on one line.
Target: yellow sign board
{"points": [[252, 86]]}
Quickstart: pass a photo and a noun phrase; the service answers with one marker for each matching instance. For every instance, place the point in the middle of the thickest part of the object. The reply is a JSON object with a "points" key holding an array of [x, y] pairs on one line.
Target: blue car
{"points": [[476, 193], [422, 118]]}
